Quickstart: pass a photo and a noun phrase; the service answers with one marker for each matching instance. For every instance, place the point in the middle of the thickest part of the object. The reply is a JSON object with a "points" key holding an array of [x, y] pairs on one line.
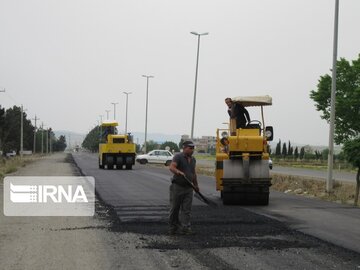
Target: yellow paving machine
{"points": [[115, 151], [242, 158]]}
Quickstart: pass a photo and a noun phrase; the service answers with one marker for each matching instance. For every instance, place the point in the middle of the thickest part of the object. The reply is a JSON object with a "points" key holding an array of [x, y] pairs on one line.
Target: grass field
{"points": [[10, 165]]}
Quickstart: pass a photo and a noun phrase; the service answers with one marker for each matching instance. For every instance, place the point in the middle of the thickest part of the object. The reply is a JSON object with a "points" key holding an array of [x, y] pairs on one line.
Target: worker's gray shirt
{"points": [[188, 168]]}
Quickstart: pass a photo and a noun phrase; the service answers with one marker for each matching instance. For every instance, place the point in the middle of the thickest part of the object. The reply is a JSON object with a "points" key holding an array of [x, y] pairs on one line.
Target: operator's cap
{"points": [[188, 144]]}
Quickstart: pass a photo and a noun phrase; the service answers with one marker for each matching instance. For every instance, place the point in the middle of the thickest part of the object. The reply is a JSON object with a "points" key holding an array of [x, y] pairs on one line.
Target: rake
{"points": [[200, 196]]}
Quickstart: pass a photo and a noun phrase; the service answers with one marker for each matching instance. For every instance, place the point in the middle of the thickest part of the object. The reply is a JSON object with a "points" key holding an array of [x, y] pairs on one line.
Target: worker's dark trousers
{"points": [[180, 204]]}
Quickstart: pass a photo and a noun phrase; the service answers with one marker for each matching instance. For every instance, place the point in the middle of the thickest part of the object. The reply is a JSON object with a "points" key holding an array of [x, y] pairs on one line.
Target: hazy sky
{"points": [[66, 61]]}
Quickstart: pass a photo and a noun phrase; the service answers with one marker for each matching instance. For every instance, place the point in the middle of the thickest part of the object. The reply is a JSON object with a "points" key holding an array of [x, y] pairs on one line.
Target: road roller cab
{"points": [[242, 158], [115, 150]]}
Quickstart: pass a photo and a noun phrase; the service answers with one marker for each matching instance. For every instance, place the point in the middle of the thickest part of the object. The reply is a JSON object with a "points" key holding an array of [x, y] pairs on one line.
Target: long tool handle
{"points": [[203, 198]]}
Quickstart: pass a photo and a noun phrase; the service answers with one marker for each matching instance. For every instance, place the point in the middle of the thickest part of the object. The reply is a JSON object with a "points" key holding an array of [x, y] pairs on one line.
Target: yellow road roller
{"points": [[242, 158], [115, 151]]}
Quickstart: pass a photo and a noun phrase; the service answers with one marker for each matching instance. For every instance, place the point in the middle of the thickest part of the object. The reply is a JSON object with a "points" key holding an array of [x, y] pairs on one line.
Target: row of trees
{"points": [[287, 151], [93, 138], [10, 125]]}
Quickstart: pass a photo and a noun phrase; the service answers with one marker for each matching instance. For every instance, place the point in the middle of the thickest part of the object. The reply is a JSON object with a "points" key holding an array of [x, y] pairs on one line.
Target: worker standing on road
{"points": [[181, 193]]}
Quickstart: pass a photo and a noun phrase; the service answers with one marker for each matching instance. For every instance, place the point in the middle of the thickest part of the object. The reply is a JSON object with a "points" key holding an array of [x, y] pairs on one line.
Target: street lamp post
{"points": [[114, 103], [107, 114], [196, 75], [146, 113], [329, 180], [126, 114]]}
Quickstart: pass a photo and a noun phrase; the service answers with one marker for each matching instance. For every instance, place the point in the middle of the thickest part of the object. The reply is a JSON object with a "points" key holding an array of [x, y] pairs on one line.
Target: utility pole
{"points": [[114, 103], [50, 143], [47, 141], [146, 112], [22, 132], [42, 137], [34, 147], [329, 179]]}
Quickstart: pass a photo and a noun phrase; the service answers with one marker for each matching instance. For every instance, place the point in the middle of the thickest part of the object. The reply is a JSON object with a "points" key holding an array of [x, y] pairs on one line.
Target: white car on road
{"points": [[156, 156]]}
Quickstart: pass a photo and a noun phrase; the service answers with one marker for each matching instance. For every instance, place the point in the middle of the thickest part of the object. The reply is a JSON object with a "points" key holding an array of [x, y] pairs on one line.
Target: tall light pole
{"points": [[127, 95], [114, 103], [146, 113], [107, 114], [329, 180], [196, 75]]}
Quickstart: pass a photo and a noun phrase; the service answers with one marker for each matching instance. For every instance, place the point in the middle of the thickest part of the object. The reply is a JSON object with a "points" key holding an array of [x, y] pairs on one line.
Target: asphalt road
{"points": [[293, 232]]}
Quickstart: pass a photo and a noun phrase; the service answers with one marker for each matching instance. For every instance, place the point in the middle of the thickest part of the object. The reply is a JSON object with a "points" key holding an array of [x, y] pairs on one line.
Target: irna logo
{"points": [[47, 193], [49, 196]]}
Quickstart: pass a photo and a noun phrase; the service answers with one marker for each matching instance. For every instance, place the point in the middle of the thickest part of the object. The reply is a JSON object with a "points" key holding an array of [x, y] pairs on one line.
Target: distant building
{"points": [[205, 144]]}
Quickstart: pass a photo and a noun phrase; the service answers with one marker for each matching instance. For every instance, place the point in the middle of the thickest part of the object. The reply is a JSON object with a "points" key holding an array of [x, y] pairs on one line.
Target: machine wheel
{"points": [[143, 161], [129, 167], [167, 163], [263, 199], [110, 162], [119, 163], [100, 166], [229, 198]]}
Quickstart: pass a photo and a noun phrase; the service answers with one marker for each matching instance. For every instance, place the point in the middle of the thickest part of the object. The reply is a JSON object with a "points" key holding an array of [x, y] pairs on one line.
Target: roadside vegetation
{"points": [[10, 122], [11, 165]]}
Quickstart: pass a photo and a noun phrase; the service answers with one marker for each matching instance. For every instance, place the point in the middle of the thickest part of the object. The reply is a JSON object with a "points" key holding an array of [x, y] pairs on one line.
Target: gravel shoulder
{"points": [[68, 242]]}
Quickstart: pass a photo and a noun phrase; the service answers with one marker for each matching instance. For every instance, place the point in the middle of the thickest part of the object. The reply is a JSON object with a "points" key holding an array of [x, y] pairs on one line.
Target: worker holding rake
{"points": [[181, 191]]}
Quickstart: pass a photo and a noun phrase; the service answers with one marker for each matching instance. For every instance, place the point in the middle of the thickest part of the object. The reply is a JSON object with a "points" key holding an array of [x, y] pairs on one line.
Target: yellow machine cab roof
{"points": [[109, 123], [253, 101]]}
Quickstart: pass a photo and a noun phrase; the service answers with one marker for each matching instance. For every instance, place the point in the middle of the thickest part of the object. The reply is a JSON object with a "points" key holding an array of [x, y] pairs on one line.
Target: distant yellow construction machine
{"points": [[242, 158], [115, 151]]}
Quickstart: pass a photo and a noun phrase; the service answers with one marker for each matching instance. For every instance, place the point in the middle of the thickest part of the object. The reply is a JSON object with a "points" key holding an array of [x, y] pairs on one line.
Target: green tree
{"points": [[60, 144], [324, 154], [151, 145], [172, 146], [10, 130], [296, 153], [351, 150], [92, 140], [302, 153], [347, 120], [278, 149], [284, 150], [290, 149]]}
